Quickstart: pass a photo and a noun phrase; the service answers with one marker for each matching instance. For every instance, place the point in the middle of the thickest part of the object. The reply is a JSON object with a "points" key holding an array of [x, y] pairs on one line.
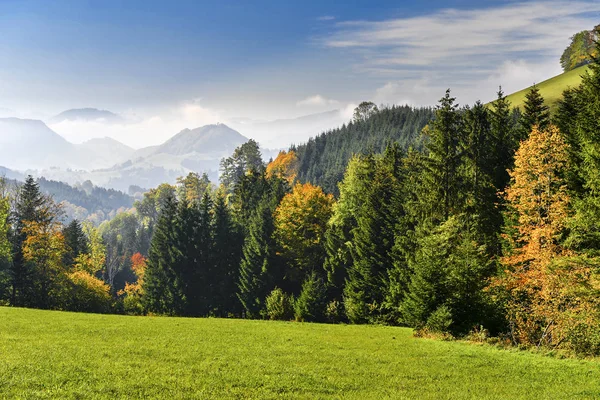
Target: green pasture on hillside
{"points": [[551, 89]]}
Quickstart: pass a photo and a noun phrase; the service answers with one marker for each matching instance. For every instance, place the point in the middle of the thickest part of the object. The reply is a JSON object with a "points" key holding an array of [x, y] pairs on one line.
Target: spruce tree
{"points": [[443, 180], [226, 253], [374, 238], [76, 242], [31, 206], [258, 260], [505, 141], [161, 288], [535, 113]]}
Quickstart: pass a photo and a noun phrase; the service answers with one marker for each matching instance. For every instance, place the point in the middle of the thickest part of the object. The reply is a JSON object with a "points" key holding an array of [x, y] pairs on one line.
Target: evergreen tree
{"points": [[535, 113], [31, 206], [226, 253], [479, 176], [373, 238], [450, 273], [443, 179], [258, 261], [161, 288], [76, 242], [505, 140], [310, 305]]}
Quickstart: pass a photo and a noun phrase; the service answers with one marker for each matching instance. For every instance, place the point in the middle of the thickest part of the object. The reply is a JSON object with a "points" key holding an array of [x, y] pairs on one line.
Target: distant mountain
{"points": [[10, 174], [281, 132], [87, 114], [217, 138], [27, 144], [197, 150], [105, 152]]}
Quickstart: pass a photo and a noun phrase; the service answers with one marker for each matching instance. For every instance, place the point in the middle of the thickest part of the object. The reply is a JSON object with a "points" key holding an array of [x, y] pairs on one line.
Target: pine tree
{"points": [[373, 239], [443, 180], [505, 141], [535, 113], [479, 176], [161, 288], [30, 206], [450, 273], [258, 262], [76, 242], [311, 303], [226, 253]]}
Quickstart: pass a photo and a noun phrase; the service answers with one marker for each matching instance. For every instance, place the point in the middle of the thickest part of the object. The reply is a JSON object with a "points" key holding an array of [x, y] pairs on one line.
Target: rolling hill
{"points": [[551, 89]]}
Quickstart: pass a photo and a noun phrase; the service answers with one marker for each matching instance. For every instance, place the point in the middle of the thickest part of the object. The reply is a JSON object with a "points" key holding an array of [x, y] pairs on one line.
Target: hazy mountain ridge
{"points": [[27, 144], [87, 114]]}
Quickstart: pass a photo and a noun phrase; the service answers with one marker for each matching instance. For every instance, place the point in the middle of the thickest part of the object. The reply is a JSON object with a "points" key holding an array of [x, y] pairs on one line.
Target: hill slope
{"points": [[552, 88], [53, 354], [323, 159]]}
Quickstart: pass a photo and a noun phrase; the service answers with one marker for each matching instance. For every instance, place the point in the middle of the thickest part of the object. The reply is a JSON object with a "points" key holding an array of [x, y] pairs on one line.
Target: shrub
{"points": [[280, 306], [335, 312], [88, 294]]}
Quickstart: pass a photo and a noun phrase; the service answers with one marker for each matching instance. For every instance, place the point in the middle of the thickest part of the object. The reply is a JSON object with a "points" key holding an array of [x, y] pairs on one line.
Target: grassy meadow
{"points": [[50, 354], [551, 89]]}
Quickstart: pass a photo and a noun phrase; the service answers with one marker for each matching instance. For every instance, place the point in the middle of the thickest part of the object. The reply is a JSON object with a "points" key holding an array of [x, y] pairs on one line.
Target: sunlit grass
{"points": [[45, 354], [552, 88]]}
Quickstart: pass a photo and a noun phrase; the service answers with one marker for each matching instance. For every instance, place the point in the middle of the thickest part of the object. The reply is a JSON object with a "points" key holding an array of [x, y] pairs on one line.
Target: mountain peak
{"points": [[87, 114], [205, 139]]}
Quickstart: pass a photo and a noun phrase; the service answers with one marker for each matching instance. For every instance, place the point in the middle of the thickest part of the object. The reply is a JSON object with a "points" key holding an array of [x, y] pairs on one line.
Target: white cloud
{"points": [[470, 51], [326, 18], [316, 101]]}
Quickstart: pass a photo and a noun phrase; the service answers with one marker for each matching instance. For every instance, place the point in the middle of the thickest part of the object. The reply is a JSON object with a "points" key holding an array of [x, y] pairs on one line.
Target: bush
{"points": [[335, 312], [440, 320], [280, 306], [310, 306], [88, 294]]}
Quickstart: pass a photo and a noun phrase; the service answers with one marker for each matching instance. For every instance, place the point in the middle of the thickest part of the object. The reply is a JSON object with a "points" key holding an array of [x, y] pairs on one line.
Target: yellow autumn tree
{"points": [[541, 276], [44, 248], [300, 224], [285, 166]]}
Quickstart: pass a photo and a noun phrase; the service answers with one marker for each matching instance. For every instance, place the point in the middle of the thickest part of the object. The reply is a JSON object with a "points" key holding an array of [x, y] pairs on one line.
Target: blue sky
{"points": [[272, 59]]}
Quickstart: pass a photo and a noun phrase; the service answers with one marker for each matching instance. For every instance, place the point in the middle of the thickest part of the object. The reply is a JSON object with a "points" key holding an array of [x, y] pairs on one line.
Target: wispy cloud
{"points": [[316, 101], [326, 18], [459, 48]]}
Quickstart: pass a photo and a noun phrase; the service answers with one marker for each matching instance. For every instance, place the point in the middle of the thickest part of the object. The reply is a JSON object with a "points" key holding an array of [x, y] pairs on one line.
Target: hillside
{"points": [[323, 159], [551, 89], [53, 354]]}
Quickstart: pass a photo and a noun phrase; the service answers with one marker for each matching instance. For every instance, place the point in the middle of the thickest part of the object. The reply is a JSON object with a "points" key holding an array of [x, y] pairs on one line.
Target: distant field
{"points": [[552, 88], [45, 354]]}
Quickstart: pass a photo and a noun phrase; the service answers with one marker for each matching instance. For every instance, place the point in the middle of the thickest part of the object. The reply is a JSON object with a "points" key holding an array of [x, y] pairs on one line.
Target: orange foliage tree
{"points": [[285, 166], [134, 291], [543, 280]]}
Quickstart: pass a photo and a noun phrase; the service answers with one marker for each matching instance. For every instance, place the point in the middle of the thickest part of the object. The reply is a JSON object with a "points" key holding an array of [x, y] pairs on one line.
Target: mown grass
{"points": [[552, 88], [48, 354]]}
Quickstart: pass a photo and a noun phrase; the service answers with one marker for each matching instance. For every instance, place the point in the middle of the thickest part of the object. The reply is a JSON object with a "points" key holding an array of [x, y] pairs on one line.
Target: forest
{"points": [[485, 224]]}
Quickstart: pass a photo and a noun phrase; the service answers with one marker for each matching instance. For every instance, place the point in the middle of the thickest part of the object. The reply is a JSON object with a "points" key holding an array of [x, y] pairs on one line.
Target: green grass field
{"points": [[552, 88], [48, 354]]}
